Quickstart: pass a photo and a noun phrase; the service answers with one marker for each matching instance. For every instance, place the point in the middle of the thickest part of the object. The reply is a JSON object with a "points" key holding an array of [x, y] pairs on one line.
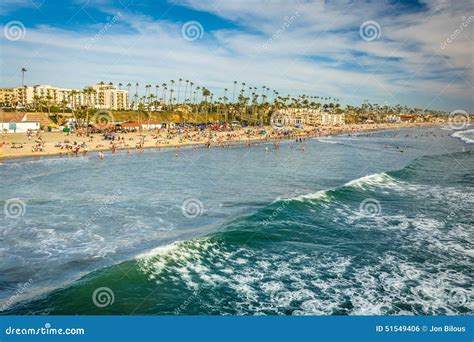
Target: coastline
{"points": [[239, 138]]}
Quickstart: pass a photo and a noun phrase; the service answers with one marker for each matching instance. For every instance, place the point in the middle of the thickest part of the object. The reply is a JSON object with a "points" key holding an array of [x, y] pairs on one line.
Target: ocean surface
{"points": [[376, 223]]}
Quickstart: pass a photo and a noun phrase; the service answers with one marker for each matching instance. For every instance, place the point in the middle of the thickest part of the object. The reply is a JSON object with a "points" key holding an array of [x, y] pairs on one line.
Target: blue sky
{"points": [[301, 46]]}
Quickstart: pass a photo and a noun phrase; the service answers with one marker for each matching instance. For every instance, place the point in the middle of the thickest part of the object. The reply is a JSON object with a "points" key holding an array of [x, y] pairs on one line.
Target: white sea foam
{"points": [[319, 195], [322, 283], [329, 141], [376, 179], [466, 136]]}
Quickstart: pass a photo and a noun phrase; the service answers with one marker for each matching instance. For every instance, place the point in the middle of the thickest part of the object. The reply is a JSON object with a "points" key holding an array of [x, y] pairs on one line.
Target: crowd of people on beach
{"points": [[82, 141]]}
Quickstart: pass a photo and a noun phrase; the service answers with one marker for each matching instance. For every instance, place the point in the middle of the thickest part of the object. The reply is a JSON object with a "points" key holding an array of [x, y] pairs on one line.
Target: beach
{"points": [[41, 144], [368, 223]]}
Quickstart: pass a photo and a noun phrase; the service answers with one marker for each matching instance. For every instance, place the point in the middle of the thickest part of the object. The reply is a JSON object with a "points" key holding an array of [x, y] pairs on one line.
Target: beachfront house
{"points": [[17, 123], [128, 126], [297, 117], [151, 125], [332, 119]]}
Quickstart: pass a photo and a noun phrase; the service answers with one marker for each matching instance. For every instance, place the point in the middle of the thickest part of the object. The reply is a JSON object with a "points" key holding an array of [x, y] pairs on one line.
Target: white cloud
{"points": [[345, 66]]}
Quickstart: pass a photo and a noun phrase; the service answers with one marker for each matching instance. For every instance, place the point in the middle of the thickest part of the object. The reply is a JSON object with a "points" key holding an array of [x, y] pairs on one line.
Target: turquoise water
{"points": [[377, 223]]}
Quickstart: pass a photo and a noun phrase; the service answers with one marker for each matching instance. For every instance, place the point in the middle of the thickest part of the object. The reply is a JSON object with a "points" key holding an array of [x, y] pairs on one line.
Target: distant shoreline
{"points": [[51, 138]]}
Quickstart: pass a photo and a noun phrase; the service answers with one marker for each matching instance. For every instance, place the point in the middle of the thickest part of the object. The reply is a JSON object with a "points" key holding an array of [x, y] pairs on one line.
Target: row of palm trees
{"points": [[184, 92], [241, 100], [238, 102]]}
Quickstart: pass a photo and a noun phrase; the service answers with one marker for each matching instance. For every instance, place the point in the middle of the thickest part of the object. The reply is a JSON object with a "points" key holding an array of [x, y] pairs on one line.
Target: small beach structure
{"points": [[17, 122], [151, 125], [128, 126]]}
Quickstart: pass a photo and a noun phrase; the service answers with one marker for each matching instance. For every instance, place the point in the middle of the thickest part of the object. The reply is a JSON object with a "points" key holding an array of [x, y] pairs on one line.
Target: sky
{"points": [[415, 53]]}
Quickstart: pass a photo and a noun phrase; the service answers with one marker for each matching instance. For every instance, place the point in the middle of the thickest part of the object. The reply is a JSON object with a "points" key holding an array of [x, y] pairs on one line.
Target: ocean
{"points": [[377, 223]]}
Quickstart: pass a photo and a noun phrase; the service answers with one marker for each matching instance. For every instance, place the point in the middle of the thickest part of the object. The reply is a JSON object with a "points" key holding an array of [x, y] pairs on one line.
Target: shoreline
{"points": [[170, 143]]}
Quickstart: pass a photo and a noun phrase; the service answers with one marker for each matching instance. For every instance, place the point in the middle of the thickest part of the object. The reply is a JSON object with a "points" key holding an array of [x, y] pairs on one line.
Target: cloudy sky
{"points": [[418, 53]]}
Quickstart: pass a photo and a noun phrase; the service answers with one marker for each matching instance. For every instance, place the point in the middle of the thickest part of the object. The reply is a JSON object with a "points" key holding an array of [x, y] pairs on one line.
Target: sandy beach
{"points": [[40, 144]]}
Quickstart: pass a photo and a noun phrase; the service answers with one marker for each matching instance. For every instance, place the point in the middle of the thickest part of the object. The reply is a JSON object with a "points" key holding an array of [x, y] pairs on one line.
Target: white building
{"points": [[151, 125], [102, 96], [332, 119], [109, 97], [305, 116], [17, 123]]}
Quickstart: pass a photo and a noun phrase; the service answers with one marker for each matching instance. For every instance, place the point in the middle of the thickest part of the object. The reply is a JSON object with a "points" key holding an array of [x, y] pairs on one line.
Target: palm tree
{"points": [[49, 103], [88, 92], [36, 101], [163, 95], [205, 94], [147, 92], [72, 96], [63, 104], [135, 97], [23, 70], [191, 90], [186, 90], [179, 87], [233, 96], [171, 91]]}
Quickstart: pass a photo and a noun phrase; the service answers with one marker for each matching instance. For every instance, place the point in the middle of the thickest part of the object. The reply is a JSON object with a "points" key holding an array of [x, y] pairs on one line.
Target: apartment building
{"points": [[100, 97]]}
